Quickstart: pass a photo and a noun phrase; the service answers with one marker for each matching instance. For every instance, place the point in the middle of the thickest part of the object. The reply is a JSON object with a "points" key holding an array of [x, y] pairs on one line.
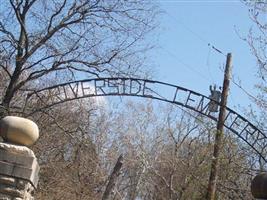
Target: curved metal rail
{"points": [[174, 94]]}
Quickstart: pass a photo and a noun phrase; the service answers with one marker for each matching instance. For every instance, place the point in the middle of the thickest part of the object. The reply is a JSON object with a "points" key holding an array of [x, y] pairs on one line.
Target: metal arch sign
{"points": [[174, 94]]}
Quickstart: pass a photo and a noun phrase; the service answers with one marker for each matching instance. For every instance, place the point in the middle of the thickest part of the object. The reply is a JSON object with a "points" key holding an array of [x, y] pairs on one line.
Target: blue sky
{"points": [[183, 56]]}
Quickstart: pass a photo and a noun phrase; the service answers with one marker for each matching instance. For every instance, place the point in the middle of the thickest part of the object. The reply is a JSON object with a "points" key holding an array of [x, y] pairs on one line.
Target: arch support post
{"points": [[18, 172], [19, 168], [259, 186]]}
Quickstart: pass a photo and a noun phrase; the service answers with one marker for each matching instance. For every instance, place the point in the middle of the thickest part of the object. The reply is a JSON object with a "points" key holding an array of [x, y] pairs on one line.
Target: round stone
{"points": [[18, 130], [259, 186]]}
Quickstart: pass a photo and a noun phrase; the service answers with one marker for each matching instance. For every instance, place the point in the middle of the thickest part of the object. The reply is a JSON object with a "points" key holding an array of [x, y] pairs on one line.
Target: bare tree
{"points": [[258, 33], [42, 40], [257, 41], [166, 156], [43, 43], [67, 154], [113, 178]]}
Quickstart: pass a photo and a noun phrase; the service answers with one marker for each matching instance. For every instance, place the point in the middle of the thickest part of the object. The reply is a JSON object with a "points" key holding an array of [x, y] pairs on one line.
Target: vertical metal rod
{"points": [[211, 192]]}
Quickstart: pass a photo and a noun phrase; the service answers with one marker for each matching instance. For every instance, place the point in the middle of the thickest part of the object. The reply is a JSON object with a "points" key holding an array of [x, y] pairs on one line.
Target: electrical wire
{"points": [[204, 41], [208, 66], [232, 79], [213, 47], [243, 89], [198, 36], [204, 77]]}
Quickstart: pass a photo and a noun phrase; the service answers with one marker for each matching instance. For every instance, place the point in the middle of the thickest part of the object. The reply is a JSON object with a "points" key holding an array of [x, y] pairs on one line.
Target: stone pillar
{"points": [[259, 186], [18, 165], [18, 172]]}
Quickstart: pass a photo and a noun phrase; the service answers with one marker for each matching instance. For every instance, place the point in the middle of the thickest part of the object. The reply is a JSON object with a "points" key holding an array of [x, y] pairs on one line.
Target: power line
{"points": [[232, 79], [198, 36], [243, 89], [204, 77], [208, 66], [212, 46]]}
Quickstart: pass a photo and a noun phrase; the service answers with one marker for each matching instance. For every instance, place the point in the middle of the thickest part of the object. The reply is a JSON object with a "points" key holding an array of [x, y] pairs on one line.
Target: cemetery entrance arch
{"points": [[174, 94]]}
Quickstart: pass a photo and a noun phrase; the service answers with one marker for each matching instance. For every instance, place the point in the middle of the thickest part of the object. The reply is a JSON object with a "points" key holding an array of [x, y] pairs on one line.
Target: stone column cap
{"points": [[16, 149], [259, 186], [18, 130]]}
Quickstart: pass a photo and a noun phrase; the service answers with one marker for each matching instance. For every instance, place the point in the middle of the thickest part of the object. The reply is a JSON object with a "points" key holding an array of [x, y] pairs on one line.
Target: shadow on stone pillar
{"points": [[18, 165]]}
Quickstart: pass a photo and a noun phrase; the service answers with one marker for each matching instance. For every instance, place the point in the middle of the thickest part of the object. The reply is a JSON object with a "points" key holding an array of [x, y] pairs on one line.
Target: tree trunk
{"points": [[113, 178]]}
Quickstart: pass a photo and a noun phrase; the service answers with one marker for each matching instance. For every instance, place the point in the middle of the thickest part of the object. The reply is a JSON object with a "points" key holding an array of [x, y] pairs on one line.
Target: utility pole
{"points": [[219, 132]]}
